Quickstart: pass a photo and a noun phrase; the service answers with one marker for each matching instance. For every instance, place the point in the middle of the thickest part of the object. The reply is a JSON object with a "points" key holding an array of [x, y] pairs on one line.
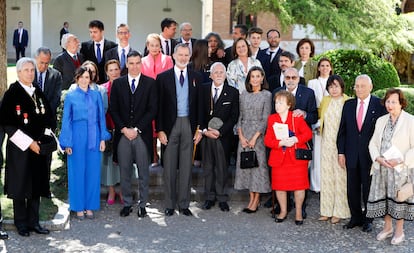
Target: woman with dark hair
{"points": [[288, 173], [333, 187], [306, 66], [200, 61], [392, 152], [83, 137], [240, 66], [215, 48], [318, 86], [110, 175], [255, 107]]}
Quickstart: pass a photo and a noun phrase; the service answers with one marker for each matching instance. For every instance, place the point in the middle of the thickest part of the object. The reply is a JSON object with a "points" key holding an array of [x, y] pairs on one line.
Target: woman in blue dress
{"points": [[83, 137]]}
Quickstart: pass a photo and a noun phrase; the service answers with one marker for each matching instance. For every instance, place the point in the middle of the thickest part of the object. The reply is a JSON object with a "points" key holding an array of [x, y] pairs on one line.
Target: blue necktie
{"points": [[215, 95], [40, 81], [123, 58], [133, 86], [181, 79], [98, 52]]}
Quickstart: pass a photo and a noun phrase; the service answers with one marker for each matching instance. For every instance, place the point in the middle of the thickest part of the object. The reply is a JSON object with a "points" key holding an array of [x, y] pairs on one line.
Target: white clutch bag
{"points": [[405, 192]]}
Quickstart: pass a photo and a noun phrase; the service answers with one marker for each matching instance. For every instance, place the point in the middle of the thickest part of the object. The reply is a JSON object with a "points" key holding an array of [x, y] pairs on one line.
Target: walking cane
{"points": [[195, 145]]}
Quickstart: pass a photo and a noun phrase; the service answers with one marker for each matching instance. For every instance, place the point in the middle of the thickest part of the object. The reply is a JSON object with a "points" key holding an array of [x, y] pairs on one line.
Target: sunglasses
{"points": [[291, 77]]}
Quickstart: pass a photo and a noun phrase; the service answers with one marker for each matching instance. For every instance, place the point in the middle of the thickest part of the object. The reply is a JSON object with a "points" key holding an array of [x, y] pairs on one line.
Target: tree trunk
{"points": [[3, 49]]}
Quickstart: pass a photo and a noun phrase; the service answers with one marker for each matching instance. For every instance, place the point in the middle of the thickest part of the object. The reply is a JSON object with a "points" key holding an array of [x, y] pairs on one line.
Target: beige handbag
{"points": [[406, 191]]}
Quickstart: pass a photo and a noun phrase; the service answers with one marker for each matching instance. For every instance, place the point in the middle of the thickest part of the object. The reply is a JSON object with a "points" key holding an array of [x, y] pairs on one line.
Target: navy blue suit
{"points": [[305, 100], [270, 67], [20, 46], [354, 145]]}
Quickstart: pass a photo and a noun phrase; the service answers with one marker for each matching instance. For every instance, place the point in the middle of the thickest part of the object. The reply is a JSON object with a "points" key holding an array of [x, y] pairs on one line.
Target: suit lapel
{"points": [[370, 113]]}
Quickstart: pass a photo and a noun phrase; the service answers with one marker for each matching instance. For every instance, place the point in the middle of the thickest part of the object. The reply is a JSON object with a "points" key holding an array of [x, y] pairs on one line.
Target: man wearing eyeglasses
{"points": [[120, 52], [286, 60]]}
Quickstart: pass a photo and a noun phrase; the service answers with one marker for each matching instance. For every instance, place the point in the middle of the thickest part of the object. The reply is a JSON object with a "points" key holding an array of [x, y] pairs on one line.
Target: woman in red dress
{"points": [[288, 173]]}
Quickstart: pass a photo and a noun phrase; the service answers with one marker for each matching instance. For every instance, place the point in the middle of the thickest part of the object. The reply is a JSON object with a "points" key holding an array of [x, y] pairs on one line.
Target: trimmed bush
{"points": [[351, 63], [408, 93]]}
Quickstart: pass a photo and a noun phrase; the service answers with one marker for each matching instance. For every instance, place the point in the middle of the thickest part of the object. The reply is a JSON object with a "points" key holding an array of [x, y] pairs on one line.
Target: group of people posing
{"points": [[189, 93]]}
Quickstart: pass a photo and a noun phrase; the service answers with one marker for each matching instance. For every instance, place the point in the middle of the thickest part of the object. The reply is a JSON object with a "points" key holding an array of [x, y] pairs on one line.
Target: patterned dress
{"points": [[254, 110], [385, 183], [334, 201]]}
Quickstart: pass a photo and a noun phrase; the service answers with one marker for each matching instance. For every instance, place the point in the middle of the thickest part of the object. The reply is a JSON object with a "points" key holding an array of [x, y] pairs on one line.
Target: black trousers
{"points": [[20, 50], [26, 212], [358, 185]]}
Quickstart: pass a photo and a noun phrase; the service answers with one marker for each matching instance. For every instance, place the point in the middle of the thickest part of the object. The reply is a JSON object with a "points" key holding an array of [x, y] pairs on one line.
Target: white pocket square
{"points": [[226, 103]]}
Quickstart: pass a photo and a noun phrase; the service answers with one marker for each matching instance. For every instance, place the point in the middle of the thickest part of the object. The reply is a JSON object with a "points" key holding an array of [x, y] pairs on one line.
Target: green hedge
{"points": [[408, 93], [351, 63]]}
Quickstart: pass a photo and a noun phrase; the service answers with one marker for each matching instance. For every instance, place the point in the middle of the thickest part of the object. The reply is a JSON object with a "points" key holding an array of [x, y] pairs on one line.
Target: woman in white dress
{"points": [[319, 87], [240, 66]]}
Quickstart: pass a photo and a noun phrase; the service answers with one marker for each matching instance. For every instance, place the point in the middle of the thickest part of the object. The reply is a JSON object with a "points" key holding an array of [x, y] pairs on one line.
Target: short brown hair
{"points": [[303, 41], [234, 51], [290, 99], [112, 61], [401, 97]]}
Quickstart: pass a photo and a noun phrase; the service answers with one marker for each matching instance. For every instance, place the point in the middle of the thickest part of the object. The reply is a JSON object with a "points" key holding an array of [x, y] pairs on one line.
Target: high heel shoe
{"points": [[398, 240], [121, 199], [299, 222], [111, 201], [279, 220], [384, 235], [247, 210]]}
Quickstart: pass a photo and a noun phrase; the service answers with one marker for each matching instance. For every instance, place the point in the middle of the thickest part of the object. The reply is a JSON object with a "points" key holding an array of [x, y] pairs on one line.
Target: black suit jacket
{"points": [[61, 33], [113, 54], [305, 100], [352, 142], [167, 110], [136, 109], [88, 52], [226, 108], [173, 43], [228, 56], [52, 88], [274, 82], [179, 40], [25, 38], [65, 65], [270, 67]]}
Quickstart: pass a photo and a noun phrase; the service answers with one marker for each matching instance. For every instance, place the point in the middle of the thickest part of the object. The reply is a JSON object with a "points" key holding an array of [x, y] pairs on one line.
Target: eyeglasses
{"points": [[123, 33], [291, 77]]}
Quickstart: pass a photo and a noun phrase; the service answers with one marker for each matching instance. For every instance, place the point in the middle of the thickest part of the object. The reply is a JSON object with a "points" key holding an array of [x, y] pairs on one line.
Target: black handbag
{"points": [[248, 159], [47, 144], [109, 144], [301, 153]]}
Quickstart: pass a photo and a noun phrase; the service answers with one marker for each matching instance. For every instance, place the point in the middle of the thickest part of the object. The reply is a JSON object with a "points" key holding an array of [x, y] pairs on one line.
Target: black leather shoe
{"points": [[186, 212], [23, 232], [208, 204], [299, 222], [3, 235], [279, 220], [125, 211], [39, 230], [224, 206], [367, 227], [351, 225], [168, 212], [142, 212]]}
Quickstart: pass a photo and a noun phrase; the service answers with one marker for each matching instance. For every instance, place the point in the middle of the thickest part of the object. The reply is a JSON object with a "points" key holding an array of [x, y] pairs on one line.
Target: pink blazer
{"points": [[152, 68]]}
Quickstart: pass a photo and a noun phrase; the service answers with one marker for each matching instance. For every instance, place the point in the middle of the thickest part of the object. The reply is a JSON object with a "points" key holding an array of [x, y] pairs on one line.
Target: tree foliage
{"points": [[371, 25]]}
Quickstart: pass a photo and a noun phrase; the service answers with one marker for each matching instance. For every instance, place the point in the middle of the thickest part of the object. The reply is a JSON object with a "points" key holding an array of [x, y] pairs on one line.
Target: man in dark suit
{"points": [[120, 52], [168, 43], [355, 131], [133, 107], [218, 101], [286, 60], [176, 125], [49, 80], [20, 40], [95, 49], [239, 31], [269, 57], [69, 60], [63, 31], [186, 32], [305, 106]]}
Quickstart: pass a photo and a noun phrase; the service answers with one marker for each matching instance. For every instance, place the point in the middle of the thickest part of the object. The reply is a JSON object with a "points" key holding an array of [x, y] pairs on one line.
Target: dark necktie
{"points": [[40, 83], [167, 48], [271, 54], [123, 58], [215, 95], [98, 52], [181, 79], [133, 86]]}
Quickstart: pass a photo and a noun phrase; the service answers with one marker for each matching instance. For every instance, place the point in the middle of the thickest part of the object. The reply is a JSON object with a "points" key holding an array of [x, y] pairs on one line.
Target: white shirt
{"points": [[120, 51], [177, 72], [101, 46], [213, 90], [30, 90], [130, 78], [273, 51], [164, 45]]}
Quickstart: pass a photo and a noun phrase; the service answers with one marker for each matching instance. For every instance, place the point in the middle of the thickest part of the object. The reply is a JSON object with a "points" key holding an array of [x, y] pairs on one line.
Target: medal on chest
{"points": [[25, 116]]}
